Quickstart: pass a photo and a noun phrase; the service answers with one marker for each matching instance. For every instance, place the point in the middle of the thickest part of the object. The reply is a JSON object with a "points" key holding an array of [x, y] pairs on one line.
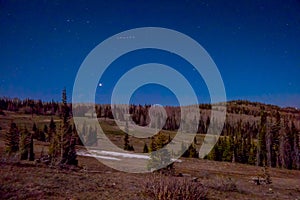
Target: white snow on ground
{"points": [[111, 155], [118, 154], [81, 153]]}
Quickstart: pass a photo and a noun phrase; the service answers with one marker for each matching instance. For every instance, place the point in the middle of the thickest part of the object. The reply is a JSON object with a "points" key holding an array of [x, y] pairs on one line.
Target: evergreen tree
{"points": [[12, 139], [275, 140], [68, 142], [195, 139], [252, 155], [127, 145], [126, 142], [296, 147], [31, 150], [286, 146], [227, 150], [261, 144], [214, 153], [207, 124], [145, 149], [25, 144], [35, 130], [52, 130], [160, 158], [62, 146], [192, 151]]}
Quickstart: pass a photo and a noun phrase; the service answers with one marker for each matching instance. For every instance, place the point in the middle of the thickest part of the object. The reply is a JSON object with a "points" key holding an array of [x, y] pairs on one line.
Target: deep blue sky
{"points": [[255, 44]]}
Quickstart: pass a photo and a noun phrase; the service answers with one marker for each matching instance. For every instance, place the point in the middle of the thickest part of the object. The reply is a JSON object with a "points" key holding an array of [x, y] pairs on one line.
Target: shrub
{"points": [[175, 188], [225, 184]]}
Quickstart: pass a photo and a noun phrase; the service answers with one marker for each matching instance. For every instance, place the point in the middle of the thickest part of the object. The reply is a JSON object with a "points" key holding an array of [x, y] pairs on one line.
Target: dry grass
{"points": [[175, 188], [216, 180]]}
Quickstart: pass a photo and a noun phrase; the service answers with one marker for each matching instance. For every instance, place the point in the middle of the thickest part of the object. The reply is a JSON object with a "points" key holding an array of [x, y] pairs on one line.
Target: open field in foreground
{"points": [[96, 181]]}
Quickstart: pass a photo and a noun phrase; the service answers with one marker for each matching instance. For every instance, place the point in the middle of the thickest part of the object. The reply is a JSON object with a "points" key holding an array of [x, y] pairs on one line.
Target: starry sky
{"points": [[255, 44]]}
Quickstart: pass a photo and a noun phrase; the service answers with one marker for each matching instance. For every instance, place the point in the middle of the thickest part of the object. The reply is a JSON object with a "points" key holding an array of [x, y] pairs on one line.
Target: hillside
{"points": [[93, 180]]}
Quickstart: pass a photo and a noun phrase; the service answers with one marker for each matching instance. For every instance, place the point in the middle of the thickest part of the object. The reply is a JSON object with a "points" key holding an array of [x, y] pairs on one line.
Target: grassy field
{"points": [[94, 180]]}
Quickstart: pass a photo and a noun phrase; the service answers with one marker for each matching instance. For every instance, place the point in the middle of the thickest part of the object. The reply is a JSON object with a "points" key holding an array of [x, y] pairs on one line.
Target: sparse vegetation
{"points": [[166, 188], [238, 144], [225, 184]]}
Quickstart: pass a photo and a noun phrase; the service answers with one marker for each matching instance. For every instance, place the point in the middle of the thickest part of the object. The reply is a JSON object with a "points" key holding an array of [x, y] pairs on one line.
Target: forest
{"points": [[253, 133]]}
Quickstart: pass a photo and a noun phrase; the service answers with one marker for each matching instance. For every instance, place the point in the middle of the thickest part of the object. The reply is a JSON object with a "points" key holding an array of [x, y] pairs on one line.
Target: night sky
{"points": [[255, 44]]}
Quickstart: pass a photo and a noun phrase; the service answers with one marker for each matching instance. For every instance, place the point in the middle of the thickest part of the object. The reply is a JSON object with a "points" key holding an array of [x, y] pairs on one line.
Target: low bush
{"points": [[175, 188]]}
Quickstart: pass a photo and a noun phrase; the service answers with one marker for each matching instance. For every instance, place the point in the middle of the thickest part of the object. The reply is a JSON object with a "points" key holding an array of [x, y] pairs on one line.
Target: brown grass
{"points": [[176, 188], [221, 180]]}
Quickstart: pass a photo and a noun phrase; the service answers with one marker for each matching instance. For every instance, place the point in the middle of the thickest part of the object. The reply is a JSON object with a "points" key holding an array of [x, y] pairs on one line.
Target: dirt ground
{"points": [[96, 181]]}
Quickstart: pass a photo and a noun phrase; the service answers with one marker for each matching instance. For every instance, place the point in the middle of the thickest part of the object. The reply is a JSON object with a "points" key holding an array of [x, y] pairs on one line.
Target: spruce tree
{"points": [[35, 130], [31, 150], [127, 145], [296, 147], [275, 140], [145, 149], [62, 146], [52, 130], [160, 158], [25, 144], [68, 142], [126, 142], [12, 139], [252, 155], [261, 143]]}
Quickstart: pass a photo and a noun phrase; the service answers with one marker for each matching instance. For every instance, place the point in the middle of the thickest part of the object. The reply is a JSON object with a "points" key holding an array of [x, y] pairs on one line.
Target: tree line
{"points": [[274, 142], [62, 139], [270, 140]]}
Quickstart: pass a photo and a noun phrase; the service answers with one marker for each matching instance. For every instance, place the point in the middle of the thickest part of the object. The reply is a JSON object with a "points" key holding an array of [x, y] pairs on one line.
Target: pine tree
{"points": [[52, 130], [252, 155], [31, 150], [195, 139], [68, 142], [227, 150], [12, 139], [35, 130], [275, 140], [25, 144], [192, 151], [261, 144], [286, 146], [62, 146], [145, 149], [126, 142], [127, 145], [160, 158], [296, 146], [214, 153]]}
